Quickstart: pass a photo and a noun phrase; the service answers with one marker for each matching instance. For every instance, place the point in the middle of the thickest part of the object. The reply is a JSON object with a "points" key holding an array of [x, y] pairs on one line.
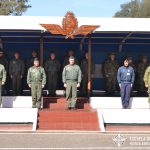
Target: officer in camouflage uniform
{"points": [[141, 67], [110, 68], [66, 61], [147, 80], [36, 80], [16, 71], [71, 78], [2, 80], [52, 67], [31, 60], [84, 68], [4, 62], [130, 60]]}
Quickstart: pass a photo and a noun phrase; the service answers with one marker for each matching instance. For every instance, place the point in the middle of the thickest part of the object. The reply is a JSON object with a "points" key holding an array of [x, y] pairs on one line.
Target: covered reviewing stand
{"points": [[89, 60], [118, 35], [115, 34]]}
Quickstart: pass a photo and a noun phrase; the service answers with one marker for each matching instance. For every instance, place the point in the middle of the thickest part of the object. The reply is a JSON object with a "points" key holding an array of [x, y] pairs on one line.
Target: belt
{"points": [[71, 80], [35, 81], [126, 81]]}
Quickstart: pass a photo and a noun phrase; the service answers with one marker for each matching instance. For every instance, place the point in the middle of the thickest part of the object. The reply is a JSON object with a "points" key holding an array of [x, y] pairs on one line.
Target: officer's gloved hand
{"points": [[65, 85], [120, 85], [131, 85], [107, 76], [146, 85], [78, 85], [29, 85], [3, 83], [43, 86]]}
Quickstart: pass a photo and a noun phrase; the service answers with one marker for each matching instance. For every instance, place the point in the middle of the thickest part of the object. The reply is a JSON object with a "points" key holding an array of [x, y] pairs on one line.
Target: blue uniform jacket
{"points": [[125, 75]]}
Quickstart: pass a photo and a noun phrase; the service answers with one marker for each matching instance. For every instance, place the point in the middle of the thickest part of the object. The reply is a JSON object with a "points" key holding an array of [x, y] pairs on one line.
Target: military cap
{"points": [[112, 53], [71, 58], [36, 59], [17, 52], [144, 57], [52, 52], [34, 51]]}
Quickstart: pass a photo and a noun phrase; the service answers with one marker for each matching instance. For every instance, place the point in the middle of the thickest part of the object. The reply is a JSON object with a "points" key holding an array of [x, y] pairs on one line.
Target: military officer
{"points": [[4, 62], [141, 67], [84, 69], [52, 67], [66, 61], [36, 80], [110, 68], [125, 77], [16, 71], [2, 80], [71, 78], [31, 59], [147, 81]]}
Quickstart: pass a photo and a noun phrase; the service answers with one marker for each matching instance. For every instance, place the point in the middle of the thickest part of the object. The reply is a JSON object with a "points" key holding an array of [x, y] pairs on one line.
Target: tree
{"points": [[13, 7], [130, 9], [145, 9], [134, 9]]}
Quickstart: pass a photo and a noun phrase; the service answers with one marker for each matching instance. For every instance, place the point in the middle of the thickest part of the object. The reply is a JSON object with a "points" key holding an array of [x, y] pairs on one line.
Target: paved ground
{"points": [[74, 141]]}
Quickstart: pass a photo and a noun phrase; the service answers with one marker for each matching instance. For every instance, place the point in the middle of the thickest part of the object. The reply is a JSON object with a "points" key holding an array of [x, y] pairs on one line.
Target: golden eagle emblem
{"points": [[70, 27]]}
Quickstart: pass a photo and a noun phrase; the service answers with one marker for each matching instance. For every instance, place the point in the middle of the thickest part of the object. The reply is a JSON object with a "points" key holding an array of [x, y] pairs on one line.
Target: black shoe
{"points": [[74, 108], [125, 107], [34, 107], [53, 95], [68, 108]]}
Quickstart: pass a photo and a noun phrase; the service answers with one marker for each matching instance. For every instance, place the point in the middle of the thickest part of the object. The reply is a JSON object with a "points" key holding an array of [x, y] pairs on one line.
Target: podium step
{"points": [[129, 127], [15, 127], [86, 120], [58, 103]]}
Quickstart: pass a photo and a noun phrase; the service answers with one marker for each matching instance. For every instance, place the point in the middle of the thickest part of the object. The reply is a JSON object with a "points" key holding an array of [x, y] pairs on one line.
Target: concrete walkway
{"points": [[74, 141]]}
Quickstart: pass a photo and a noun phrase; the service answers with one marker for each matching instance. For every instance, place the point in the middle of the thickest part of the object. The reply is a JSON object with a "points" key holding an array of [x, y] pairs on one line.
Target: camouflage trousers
{"points": [[149, 94], [111, 84], [141, 85], [71, 93], [84, 85], [36, 92], [0, 93], [16, 85], [52, 82]]}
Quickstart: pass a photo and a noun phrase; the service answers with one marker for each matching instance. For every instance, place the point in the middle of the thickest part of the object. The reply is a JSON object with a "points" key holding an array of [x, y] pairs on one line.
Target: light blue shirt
{"points": [[126, 75]]}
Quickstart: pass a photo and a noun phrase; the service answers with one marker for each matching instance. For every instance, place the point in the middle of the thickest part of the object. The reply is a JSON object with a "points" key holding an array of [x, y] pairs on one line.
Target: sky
{"points": [[81, 8]]}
